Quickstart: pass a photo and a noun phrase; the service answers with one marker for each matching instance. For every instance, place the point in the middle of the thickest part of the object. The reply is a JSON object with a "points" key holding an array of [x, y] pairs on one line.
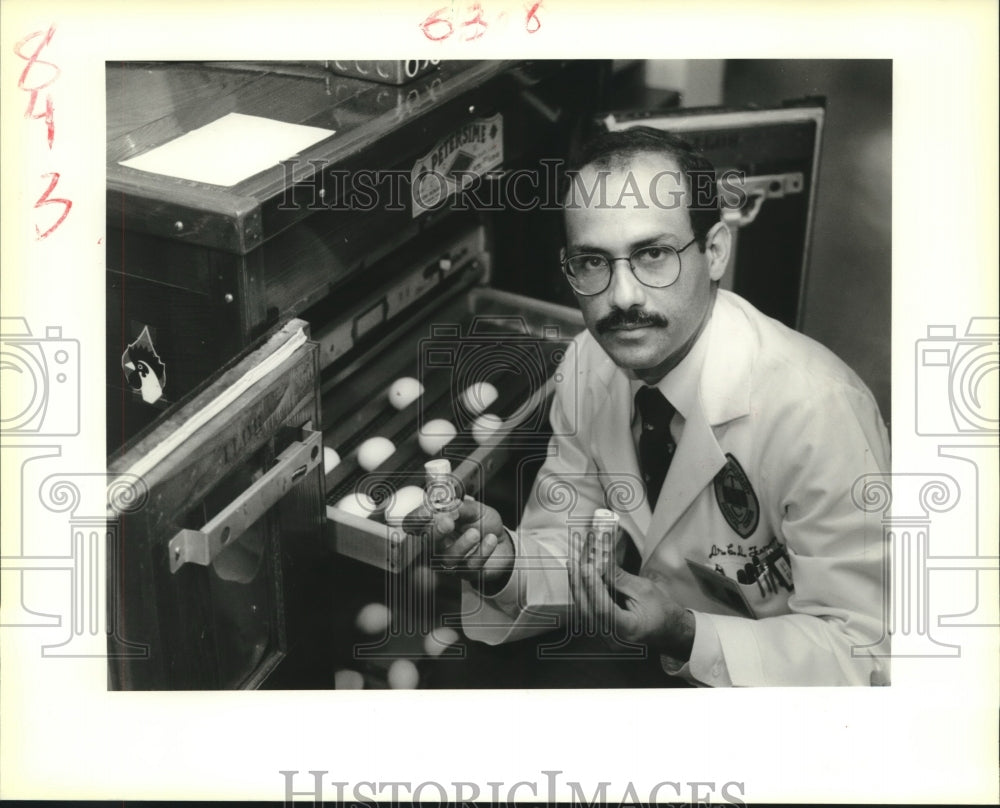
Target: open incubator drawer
{"points": [[487, 363], [236, 514]]}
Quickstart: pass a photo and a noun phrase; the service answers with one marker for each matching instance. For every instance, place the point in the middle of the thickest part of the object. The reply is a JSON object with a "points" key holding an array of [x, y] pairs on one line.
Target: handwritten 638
{"points": [[474, 22]]}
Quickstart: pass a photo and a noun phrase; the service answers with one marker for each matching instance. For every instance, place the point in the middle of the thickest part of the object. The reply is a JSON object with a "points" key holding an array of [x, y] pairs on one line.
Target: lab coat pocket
{"points": [[721, 588], [755, 587], [764, 587]]}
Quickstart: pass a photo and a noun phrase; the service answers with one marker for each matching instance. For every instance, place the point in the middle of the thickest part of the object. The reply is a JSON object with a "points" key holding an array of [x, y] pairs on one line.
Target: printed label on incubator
{"points": [[454, 161]]}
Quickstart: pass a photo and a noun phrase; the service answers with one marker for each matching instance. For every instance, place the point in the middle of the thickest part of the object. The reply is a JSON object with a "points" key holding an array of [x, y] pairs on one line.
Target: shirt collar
{"points": [[681, 385]]}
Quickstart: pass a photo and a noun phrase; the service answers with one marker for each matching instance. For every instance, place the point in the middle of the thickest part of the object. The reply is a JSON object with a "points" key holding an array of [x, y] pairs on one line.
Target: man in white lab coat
{"points": [[756, 566]]}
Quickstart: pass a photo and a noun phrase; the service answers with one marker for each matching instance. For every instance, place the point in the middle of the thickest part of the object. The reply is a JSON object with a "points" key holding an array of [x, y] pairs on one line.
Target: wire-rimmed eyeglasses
{"points": [[655, 265]]}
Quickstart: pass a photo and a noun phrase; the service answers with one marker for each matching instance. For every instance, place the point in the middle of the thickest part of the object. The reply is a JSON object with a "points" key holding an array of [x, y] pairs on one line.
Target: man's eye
{"points": [[587, 263], [651, 254]]}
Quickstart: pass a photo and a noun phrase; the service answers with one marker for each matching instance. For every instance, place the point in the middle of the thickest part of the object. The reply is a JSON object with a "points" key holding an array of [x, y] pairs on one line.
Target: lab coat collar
{"points": [[715, 375], [732, 344]]}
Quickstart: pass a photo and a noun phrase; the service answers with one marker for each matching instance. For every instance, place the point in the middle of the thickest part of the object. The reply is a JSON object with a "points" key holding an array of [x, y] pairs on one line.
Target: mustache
{"points": [[629, 319]]}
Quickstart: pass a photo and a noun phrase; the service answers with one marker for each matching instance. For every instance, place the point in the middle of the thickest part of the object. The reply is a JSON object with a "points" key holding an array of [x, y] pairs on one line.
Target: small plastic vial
{"points": [[606, 528], [441, 488]]}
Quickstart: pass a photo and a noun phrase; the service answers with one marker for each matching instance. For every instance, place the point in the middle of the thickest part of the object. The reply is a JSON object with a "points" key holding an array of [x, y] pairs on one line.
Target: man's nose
{"points": [[625, 290]]}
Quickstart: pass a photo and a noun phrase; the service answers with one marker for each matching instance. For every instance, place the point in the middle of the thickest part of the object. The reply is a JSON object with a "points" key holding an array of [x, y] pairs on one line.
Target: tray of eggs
{"points": [[376, 476], [471, 386]]}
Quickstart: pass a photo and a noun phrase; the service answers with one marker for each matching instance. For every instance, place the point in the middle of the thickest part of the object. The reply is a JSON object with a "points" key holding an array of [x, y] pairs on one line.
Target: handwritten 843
{"points": [[473, 21], [39, 75]]}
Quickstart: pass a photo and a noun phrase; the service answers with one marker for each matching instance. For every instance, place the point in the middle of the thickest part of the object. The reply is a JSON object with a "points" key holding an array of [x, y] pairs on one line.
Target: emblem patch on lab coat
{"points": [[736, 497], [144, 370]]}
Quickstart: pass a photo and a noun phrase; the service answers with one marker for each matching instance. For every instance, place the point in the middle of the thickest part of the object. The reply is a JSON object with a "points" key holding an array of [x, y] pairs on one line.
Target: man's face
{"points": [[644, 329]]}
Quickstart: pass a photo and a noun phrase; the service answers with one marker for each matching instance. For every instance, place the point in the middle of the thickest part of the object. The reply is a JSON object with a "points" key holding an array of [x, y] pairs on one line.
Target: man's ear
{"points": [[718, 242]]}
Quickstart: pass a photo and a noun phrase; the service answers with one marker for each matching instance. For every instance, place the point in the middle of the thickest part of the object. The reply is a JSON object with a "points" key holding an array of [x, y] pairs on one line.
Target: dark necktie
{"points": [[656, 450], [656, 446]]}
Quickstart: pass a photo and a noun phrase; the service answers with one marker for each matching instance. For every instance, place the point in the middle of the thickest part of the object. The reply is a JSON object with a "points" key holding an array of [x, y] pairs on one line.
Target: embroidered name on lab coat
{"points": [[736, 497]]}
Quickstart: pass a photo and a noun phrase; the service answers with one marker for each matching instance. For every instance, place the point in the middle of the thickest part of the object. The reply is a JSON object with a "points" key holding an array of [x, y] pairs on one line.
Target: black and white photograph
{"points": [[400, 354], [385, 429]]}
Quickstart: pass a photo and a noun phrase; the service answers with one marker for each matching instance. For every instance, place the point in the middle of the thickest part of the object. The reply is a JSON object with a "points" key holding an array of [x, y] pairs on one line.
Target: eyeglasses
{"points": [[657, 265]]}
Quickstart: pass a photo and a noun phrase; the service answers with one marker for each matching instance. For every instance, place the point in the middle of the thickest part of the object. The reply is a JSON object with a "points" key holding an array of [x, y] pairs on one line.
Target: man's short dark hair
{"points": [[612, 150]]}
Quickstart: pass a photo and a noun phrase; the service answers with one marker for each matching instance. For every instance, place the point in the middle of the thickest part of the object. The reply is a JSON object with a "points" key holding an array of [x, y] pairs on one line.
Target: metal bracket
{"points": [[292, 465], [755, 190]]}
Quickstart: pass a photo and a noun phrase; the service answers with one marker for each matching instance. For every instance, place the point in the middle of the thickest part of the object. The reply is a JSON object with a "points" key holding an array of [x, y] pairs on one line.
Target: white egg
{"points": [[484, 426], [478, 397], [374, 452], [359, 504], [330, 459], [373, 618], [406, 500], [403, 675], [439, 639], [435, 435], [403, 392], [348, 680]]}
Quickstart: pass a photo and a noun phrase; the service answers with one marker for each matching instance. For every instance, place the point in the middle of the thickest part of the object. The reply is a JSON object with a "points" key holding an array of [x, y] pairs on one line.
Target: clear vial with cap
{"points": [[442, 487], [606, 529]]}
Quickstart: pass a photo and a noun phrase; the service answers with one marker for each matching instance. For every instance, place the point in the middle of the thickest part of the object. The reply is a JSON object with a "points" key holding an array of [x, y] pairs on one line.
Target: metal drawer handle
{"points": [[757, 189], [292, 465]]}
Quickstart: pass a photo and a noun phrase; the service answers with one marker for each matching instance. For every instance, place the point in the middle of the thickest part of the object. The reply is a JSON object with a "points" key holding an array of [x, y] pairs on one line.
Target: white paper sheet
{"points": [[229, 149]]}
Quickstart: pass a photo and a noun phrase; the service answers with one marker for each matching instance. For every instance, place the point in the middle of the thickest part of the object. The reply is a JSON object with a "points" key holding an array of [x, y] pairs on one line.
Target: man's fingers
{"points": [[467, 552], [576, 586], [469, 511], [465, 543], [625, 582], [601, 606], [419, 521], [443, 524], [481, 552]]}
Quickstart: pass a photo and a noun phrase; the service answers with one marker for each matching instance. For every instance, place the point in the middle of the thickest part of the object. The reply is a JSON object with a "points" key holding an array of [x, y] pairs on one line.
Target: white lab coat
{"points": [[802, 427]]}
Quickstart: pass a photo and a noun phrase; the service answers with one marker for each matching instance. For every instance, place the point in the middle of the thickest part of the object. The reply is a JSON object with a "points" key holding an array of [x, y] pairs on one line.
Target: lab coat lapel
{"points": [[615, 451], [697, 460], [722, 396]]}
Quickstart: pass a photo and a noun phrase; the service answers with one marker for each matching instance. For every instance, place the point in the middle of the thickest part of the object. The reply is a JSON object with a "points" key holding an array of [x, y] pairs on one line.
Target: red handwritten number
{"points": [[477, 20], [436, 19], [45, 199], [533, 18], [34, 61]]}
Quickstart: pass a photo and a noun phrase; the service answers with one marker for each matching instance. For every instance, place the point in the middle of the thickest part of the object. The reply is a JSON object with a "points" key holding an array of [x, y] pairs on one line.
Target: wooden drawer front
{"points": [[217, 620]]}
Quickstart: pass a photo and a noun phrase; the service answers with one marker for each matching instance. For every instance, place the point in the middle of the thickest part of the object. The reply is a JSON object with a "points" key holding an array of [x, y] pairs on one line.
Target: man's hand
{"points": [[473, 545], [650, 615]]}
